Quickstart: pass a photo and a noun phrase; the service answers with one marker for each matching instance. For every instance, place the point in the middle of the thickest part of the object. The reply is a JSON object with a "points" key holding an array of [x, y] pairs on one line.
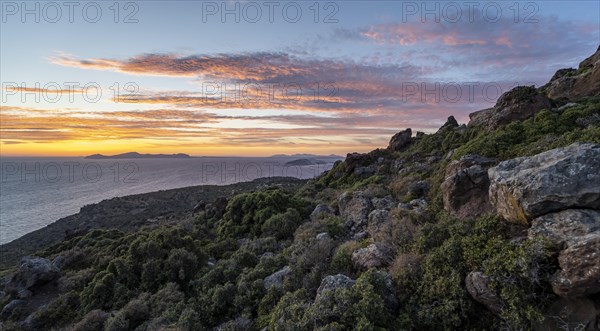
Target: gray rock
{"points": [[323, 235], [520, 103], [567, 106], [451, 123], [478, 287], [577, 232], [404, 206], [383, 203], [334, 282], [566, 227], [377, 219], [580, 269], [276, 279], [33, 271], [10, 307], [418, 205], [373, 256], [362, 171], [570, 314], [320, 211], [465, 188], [524, 188], [354, 209], [574, 84], [59, 262], [24, 294], [400, 140], [360, 236]]}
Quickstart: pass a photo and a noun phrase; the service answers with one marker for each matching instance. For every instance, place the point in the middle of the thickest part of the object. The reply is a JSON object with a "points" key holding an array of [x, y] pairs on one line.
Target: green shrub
{"points": [[246, 213]]}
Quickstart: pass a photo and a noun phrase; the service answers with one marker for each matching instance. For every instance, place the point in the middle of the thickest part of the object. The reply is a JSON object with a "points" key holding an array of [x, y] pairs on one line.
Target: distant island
{"points": [[308, 156], [305, 162], [136, 155]]}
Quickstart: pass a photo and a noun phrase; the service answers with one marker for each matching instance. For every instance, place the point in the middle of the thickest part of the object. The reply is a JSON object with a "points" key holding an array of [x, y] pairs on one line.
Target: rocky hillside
{"points": [[494, 224]]}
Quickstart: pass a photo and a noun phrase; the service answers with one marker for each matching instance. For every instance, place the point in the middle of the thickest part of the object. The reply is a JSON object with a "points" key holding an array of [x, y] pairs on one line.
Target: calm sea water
{"points": [[35, 192]]}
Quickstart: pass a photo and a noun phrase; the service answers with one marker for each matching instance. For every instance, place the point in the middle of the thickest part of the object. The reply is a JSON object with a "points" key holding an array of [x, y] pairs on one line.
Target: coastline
{"points": [[128, 213]]}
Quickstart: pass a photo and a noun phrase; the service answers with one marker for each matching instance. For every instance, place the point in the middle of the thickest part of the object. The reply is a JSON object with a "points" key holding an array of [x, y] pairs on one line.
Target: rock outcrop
{"points": [[465, 189], [451, 123], [571, 84], [321, 210], [373, 256], [400, 140], [386, 203], [478, 287], [558, 193], [527, 187], [520, 103], [577, 233], [34, 271], [276, 279], [354, 209], [580, 269], [571, 314], [566, 227], [332, 282], [377, 219]]}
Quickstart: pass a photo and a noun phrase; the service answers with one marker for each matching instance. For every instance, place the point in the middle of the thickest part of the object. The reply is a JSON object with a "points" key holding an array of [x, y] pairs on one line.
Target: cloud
{"points": [[509, 47]]}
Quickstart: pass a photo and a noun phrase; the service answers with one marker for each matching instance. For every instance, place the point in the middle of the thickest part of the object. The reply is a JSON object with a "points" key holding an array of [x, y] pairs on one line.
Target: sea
{"points": [[35, 192]]}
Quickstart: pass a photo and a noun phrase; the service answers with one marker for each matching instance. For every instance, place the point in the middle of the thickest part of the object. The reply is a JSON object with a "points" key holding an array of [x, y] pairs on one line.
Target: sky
{"points": [[256, 78]]}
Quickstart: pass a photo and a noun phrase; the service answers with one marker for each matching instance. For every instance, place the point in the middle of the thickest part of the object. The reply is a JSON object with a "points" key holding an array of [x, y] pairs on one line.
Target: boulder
{"points": [[386, 203], [373, 256], [400, 140], [571, 84], [563, 178], [580, 269], [520, 103], [577, 233], [320, 211], [365, 171], [354, 209], [360, 236], [10, 307], [418, 205], [333, 282], [34, 271], [478, 287], [566, 227], [451, 123], [571, 314], [377, 219], [276, 279], [323, 236], [360, 161], [465, 188]]}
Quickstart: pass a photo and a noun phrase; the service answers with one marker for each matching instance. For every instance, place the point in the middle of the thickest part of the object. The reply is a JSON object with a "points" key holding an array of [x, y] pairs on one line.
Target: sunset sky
{"points": [[330, 77]]}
